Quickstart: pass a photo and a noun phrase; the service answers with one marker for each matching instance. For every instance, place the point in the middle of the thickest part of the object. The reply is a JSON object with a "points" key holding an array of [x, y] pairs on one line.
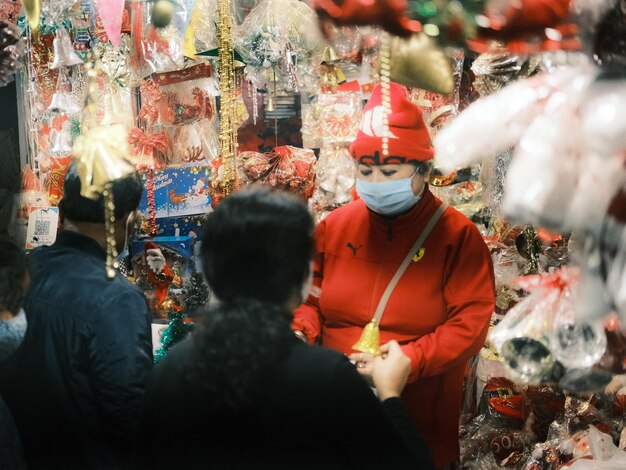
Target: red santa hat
{"points": [[408, 136]]}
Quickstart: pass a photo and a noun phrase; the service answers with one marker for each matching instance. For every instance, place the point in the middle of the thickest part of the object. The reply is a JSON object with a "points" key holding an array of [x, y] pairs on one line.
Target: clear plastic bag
{"points": [[335, 178], [276, 41], [157, 51], [288, 168]]}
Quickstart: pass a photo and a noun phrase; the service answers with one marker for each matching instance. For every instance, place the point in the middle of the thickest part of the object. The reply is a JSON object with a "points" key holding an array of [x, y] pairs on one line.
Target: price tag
{"points": [[42, 227]]}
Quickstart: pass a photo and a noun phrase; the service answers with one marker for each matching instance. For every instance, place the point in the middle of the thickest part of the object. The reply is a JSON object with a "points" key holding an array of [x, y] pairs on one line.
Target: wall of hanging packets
{"points": [[524, 101]]}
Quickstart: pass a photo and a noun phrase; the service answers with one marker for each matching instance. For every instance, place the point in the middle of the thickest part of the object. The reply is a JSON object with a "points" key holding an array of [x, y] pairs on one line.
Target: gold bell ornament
{"points": [[418, 62], [329, 56], [64, 55], [370, 339]]}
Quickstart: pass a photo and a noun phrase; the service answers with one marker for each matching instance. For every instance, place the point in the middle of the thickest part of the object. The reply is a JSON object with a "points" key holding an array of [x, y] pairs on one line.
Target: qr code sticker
{"points": [[42, 227]]}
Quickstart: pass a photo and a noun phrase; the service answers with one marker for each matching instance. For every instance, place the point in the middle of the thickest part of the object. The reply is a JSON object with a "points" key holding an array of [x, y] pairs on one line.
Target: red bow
{"points": [[147, 145], [560, 280]]}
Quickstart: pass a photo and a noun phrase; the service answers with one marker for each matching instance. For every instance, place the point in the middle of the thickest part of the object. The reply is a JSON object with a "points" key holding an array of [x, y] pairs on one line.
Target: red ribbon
{"points": [[148, 145], [560, 280]]}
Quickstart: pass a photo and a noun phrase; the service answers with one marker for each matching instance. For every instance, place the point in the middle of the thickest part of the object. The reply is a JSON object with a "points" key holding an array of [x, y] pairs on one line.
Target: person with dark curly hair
{"points": [[14, 280], [242, 391]]}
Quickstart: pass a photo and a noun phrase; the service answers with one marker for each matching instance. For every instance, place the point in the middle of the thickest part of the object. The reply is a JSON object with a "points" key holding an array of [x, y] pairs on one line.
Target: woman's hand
{"points": [[387, 372]]}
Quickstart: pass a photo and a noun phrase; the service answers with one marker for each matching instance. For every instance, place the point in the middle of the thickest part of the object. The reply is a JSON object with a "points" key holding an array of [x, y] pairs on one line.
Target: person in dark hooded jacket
{"points": [[76, 383]]}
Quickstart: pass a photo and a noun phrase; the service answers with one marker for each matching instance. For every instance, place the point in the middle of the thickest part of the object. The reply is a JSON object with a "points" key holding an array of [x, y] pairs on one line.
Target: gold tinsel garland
{"points": [[228, 126]]}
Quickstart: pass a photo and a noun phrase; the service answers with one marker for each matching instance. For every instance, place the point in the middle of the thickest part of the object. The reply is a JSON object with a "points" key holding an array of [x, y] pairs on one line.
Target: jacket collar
{"points": [[76, 241], [415, 217]]}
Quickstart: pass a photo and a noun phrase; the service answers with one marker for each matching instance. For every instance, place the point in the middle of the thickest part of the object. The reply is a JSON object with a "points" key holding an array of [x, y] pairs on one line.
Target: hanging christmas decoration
{"points": [[228, 128], [277, 48], [418, 62], [64, 55]]}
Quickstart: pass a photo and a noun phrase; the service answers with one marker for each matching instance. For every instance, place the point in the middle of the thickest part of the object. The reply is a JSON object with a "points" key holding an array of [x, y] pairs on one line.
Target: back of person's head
{"points": [[77, 208], [256, 252], [14, 276], [258, 245]]}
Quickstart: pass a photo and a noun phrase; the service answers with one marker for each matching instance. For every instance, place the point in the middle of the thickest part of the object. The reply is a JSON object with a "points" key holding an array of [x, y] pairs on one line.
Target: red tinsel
{"points": [[152, 228]]}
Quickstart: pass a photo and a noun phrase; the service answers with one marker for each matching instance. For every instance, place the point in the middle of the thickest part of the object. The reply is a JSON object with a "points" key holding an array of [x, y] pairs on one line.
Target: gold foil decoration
{"points": [[419, 63], [228, 99], [33, 14], [370, 339], [100, 154]]}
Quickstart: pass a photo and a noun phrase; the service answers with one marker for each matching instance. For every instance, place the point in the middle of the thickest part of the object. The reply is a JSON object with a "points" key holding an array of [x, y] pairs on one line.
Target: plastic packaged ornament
{"points": [[277, 46], [54, 12], [64, 55], [334, 180], [522, 338], [496, 69], [63, 101], [576, 344], [288, 168], [154, 51]]}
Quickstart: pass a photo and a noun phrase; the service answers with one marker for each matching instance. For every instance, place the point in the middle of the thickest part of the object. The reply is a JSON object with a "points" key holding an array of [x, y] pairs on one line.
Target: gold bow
{"points": [[101, 154]]}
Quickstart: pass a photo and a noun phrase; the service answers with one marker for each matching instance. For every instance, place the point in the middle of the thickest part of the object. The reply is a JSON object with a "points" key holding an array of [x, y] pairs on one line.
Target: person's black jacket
{"points": [[76, 383], [317, 413]]}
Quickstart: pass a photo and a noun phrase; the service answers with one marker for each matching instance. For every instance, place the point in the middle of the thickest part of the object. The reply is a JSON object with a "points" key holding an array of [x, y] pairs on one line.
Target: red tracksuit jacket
{"points": [[439, 311]]}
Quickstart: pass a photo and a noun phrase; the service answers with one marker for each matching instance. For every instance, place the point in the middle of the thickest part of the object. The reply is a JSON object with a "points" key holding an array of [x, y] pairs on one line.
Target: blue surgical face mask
{"points": [[12, 333], [388, 197]]}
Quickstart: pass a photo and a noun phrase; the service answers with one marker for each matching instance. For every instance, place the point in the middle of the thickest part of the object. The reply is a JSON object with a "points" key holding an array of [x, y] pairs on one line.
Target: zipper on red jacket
{"points": [[389, 231]]}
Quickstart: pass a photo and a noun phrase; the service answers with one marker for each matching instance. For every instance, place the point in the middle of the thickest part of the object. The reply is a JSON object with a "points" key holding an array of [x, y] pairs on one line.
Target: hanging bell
{"points": [[271, 104], [370, 339], [329, 56], [64, 55], [419, 63], [61, 144], [62, 100]]}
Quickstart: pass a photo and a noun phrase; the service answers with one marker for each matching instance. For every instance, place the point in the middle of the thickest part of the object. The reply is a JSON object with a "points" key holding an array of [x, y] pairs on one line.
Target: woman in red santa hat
{"points": [[400, 261]]}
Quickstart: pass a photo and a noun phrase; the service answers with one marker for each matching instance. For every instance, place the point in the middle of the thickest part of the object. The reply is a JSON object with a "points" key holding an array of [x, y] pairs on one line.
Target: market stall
{"points": [[524, 102]]}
